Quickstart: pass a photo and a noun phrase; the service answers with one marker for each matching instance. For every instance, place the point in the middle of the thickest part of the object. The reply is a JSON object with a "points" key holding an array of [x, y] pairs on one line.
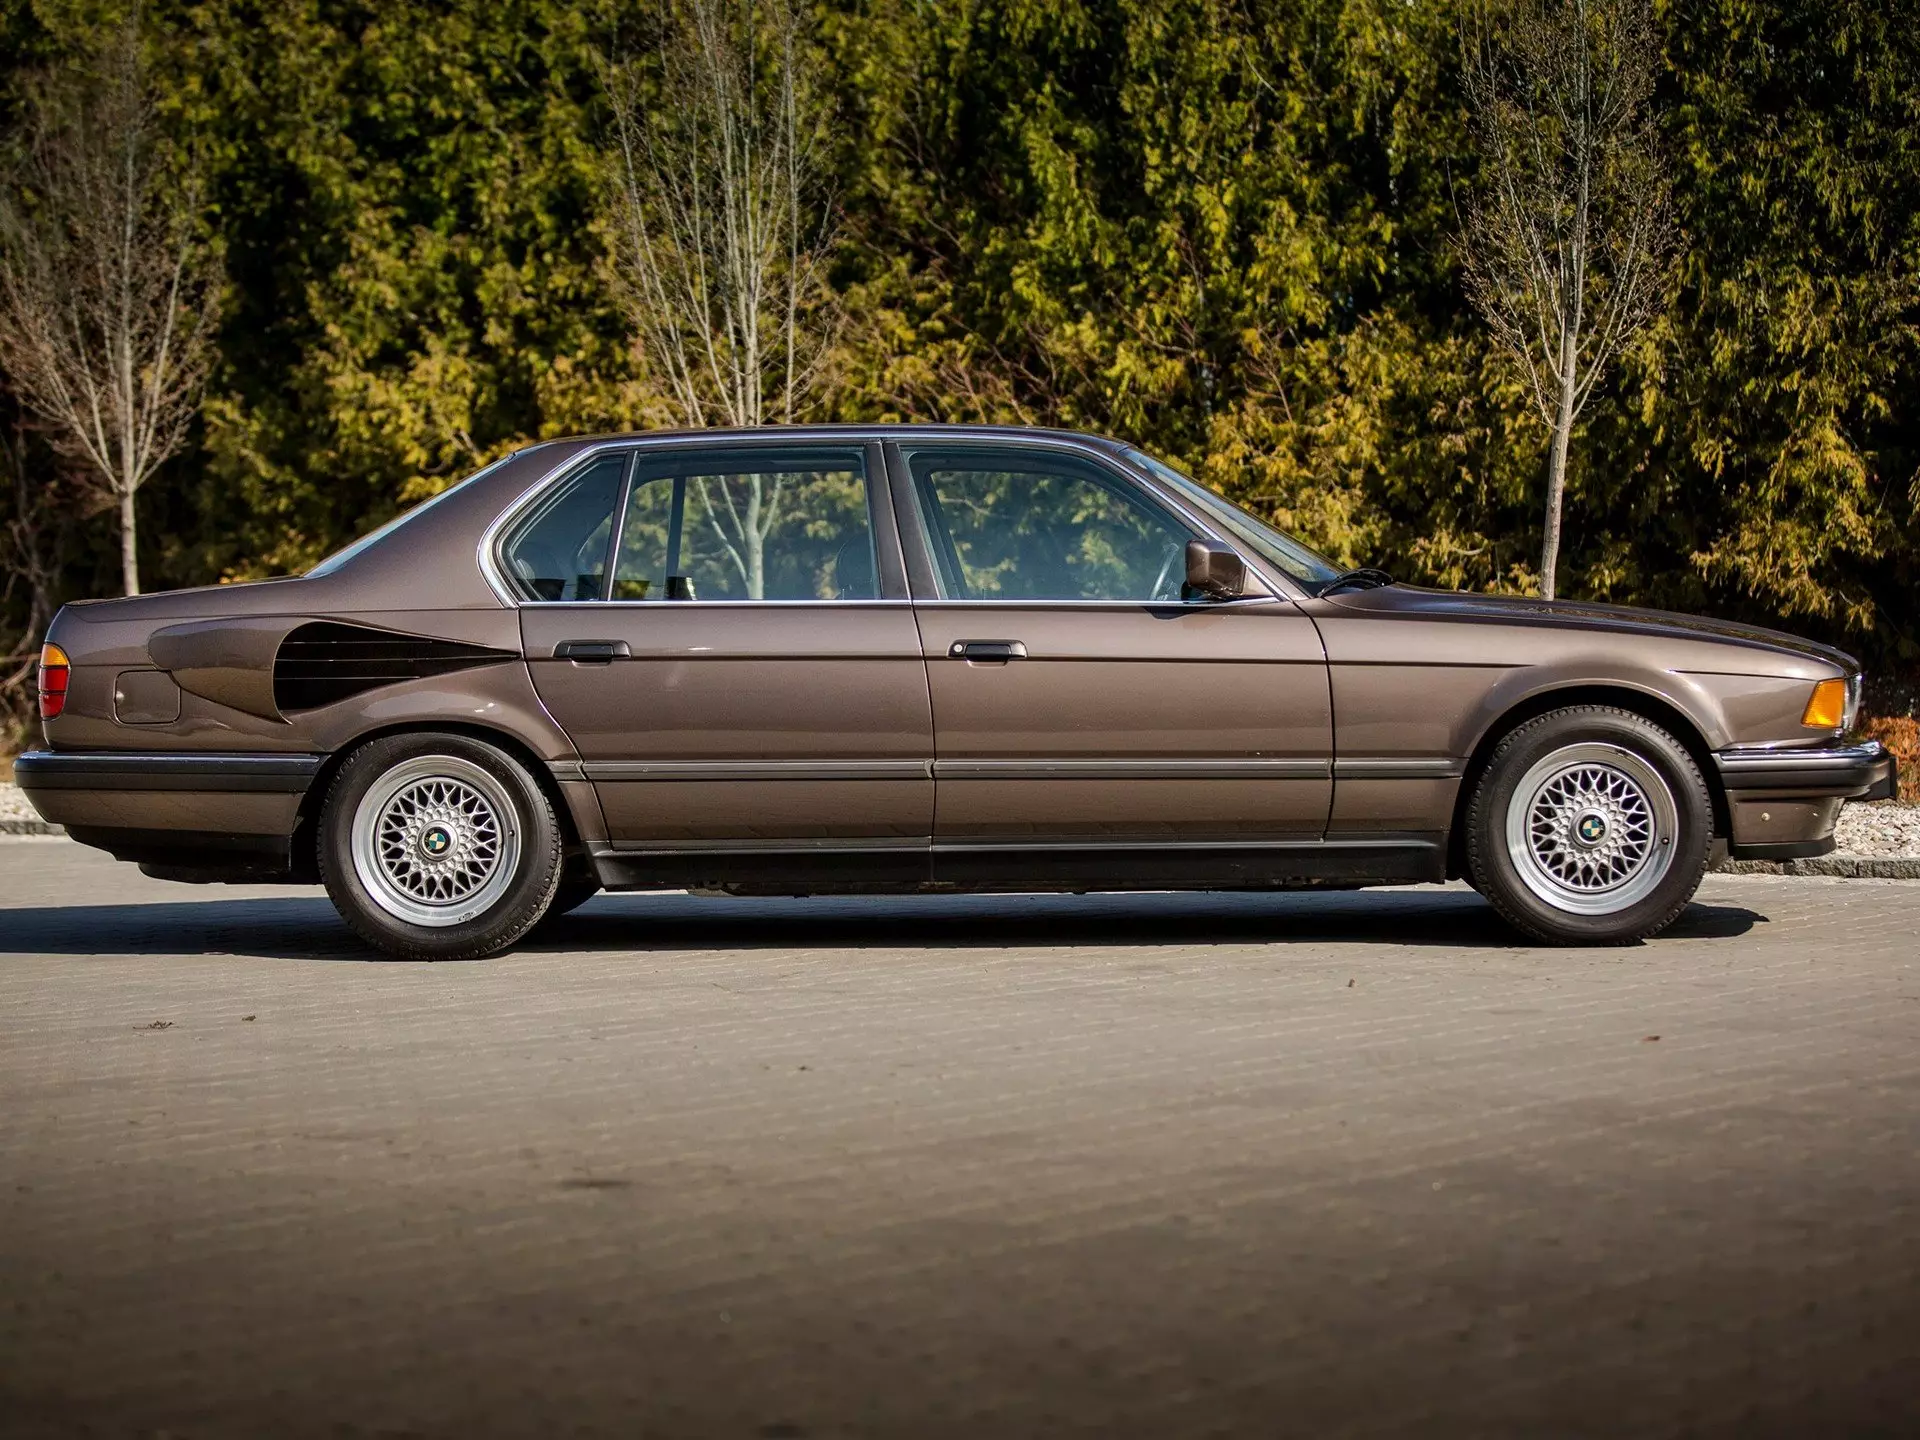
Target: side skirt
{"points": [[1148, 865]]}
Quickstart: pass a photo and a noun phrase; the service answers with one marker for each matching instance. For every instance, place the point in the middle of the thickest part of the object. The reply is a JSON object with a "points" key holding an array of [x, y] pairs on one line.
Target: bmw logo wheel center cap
{"points": [[1590, 828], [435, 842]]}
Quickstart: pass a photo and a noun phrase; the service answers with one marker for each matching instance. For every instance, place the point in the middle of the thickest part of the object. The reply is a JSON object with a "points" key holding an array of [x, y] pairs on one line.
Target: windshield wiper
{"points": [[1366, 577]]}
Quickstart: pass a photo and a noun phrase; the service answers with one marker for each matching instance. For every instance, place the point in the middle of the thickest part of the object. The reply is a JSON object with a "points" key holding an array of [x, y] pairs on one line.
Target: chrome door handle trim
{"points": [[592, 652], [991, 650]]}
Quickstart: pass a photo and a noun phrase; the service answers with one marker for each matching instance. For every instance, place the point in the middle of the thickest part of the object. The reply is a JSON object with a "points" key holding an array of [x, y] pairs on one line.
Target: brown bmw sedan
{"points": [[816, 660]]}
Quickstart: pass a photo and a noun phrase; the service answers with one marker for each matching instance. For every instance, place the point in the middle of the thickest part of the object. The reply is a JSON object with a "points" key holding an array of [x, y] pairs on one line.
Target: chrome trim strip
{"points": [[1164, 769], [1827, 771], [567, 769], [1371, 769], [889, 844], [864, 844], [649, 770], [211, 771]]}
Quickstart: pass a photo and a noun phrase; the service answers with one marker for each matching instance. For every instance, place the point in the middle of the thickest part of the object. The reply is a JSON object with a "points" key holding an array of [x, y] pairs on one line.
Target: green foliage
{"points": [[1220, 230]]}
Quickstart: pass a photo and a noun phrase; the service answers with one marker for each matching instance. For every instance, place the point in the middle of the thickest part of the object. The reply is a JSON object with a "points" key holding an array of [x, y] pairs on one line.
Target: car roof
{"points": [[871, 431]]}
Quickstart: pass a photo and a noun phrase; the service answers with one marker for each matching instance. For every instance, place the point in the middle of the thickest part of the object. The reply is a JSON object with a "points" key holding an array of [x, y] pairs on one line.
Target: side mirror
{"points": [[1215, 571]]}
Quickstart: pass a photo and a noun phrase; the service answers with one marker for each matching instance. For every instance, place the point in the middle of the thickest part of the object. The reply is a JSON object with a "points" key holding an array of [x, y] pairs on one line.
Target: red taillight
{"points": [[54, 670]]}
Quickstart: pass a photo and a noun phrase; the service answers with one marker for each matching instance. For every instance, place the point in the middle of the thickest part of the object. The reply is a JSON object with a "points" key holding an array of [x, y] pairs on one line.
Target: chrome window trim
{"points": [[486, 554], [1197, 606], [1119, 469], [715, 604]]}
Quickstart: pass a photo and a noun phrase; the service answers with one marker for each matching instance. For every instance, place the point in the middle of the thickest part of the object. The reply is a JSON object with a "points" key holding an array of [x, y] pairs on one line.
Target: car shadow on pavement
{"points": [[308, 929], [1457, 918]]}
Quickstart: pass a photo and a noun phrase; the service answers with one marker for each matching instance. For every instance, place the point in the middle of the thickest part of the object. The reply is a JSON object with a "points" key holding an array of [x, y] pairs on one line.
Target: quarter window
{"points": [[559, 550], [1023, 525]]}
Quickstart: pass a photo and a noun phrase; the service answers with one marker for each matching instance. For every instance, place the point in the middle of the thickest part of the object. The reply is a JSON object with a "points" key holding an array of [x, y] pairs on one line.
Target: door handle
{"points": [[996, 651], [591, 652]]}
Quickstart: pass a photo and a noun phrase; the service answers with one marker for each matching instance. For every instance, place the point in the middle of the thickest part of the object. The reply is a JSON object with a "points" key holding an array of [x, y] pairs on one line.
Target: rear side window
{"points": [[559, 550], [748, 525]]}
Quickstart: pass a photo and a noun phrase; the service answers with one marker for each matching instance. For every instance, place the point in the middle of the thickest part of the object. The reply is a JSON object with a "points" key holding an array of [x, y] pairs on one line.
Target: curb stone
{"points": [[1837, 867], [30, 827]]}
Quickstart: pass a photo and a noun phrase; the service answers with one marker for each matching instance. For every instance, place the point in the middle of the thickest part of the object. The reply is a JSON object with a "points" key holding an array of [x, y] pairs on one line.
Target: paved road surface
{"points": [[1158, 1166]]}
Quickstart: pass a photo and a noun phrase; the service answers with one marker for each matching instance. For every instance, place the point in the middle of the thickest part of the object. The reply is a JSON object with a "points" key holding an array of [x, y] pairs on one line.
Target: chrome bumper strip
{"points": [[1853, 772], [126, 770]]}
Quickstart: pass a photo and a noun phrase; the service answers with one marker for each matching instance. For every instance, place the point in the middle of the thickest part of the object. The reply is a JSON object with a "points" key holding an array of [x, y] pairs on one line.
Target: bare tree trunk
{"points": [[1556, 493], [129, 554], [1568, 244], [108, 289], [721, 244]]}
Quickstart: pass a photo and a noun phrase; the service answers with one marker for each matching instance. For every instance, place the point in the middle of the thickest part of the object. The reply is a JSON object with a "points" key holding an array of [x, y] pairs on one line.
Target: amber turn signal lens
{"points": [[1827, 710], [54, 671]]}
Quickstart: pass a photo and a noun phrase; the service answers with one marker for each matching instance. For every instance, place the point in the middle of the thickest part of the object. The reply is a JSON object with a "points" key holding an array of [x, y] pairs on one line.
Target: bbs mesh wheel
{"points": [[1590, 825], [438, 847]]}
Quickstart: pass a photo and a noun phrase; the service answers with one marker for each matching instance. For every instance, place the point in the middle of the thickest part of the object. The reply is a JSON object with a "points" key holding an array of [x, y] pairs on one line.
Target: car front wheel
{"points": [[438, 847], [1590, 825]]}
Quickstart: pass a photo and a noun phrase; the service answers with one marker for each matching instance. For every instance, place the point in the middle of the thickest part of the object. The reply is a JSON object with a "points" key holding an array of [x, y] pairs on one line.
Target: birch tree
{"points": [[722, 236], [1569, 239], [108, 290]]}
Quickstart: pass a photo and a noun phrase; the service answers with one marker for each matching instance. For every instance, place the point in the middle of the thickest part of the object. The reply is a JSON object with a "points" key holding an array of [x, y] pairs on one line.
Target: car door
{"points": [[725, 633], [1079, 701]]}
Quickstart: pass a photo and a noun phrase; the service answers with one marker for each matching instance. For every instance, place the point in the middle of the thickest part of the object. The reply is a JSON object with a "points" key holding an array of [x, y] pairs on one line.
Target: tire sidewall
{"points": [[517, 910], [1492, 868]]}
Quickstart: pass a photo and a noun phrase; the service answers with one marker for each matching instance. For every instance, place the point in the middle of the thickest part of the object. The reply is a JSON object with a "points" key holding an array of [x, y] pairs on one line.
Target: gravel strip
{"points": [[13, 805], [1885, 829]]}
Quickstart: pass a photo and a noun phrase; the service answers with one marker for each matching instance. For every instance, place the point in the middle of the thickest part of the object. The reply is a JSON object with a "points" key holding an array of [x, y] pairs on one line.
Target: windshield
{"points": [[1283, 552], [340, 557]]}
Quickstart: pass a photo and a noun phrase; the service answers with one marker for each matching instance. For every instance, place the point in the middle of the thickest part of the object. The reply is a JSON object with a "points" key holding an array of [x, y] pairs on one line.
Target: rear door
{"points": [[1079, 701], [724, 631]]}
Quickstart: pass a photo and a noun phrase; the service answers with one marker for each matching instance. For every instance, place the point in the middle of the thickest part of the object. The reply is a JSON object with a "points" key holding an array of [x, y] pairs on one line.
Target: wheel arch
{"points": [[1664, 713], [306, 832]]}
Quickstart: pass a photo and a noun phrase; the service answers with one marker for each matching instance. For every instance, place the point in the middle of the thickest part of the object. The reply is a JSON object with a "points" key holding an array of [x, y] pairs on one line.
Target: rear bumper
{"points": [[1782, 802], [214, 815]]}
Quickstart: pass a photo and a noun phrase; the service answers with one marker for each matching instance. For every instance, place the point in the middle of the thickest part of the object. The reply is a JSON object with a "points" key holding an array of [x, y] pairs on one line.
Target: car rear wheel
{"points": [[1590, 825], [438, 847]]}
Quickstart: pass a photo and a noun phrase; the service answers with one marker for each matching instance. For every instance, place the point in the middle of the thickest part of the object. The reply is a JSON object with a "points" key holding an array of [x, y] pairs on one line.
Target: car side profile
{"points": [[903, 658]]}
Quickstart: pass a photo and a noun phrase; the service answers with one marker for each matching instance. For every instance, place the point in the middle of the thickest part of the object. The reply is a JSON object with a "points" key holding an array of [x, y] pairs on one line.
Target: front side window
{"points": [[1008, 524], [1276, 547]]}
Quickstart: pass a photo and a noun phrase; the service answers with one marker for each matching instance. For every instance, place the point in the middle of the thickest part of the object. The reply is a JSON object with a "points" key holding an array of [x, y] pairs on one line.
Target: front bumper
{"points": [[1782, 801]]}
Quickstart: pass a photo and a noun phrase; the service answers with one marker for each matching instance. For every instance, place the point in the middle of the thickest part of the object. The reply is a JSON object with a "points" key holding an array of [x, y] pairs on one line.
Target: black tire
{"points": [[1537, 863], [501, 801], [575, 889]]}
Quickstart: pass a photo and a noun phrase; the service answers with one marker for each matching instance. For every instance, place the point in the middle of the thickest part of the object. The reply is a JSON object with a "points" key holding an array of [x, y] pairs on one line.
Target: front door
{"points": [[724, 632], [1079, 701]]}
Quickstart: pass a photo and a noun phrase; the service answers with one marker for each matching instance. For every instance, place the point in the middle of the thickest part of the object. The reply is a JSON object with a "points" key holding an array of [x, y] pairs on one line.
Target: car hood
{"points": [[1581, 615]]}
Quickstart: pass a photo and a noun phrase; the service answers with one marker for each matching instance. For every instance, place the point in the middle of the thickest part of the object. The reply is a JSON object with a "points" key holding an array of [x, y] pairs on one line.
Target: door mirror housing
{"points": [[1215, 571]]}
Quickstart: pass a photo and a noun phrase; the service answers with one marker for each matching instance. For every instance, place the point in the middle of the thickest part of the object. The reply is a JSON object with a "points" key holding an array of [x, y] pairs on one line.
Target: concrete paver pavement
{"points": [[1343, 1164]]}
